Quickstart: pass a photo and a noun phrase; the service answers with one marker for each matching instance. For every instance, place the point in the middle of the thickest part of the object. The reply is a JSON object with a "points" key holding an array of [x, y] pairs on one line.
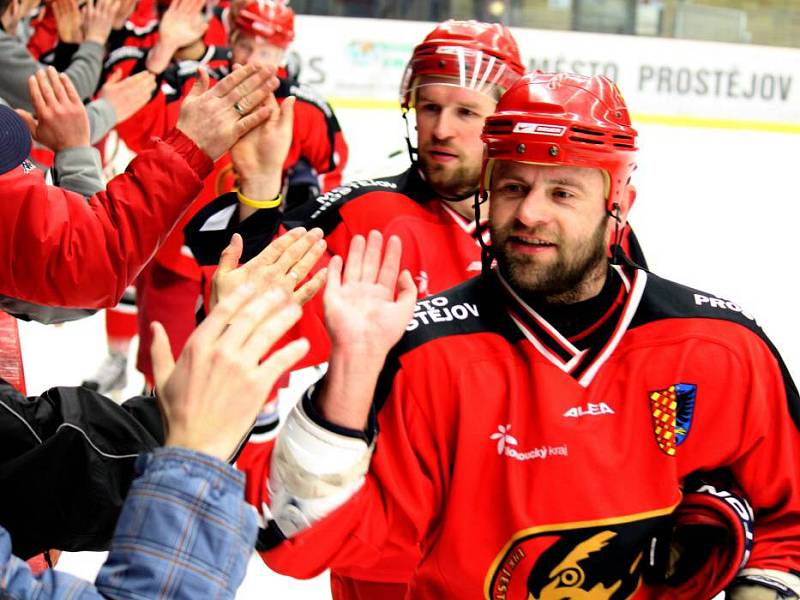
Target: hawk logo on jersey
{"points": [[575, 563], [672, 410]]}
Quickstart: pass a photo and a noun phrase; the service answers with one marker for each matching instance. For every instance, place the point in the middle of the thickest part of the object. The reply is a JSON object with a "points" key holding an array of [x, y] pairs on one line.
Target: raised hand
{"points": [[69, 21], [283, 264], [61, 121], [98, 19], [211, 396], [210, 116], [124, 11], [260, 154], [127, 96], [367, 308], [182, 23]]}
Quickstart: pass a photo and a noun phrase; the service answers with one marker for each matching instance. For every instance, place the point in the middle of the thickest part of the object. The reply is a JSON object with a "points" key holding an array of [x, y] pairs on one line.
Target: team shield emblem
{"points": [[672, 410]]}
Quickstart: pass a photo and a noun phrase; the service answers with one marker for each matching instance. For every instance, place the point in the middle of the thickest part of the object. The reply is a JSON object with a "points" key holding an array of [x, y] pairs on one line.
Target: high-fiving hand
{"points": [[367, 309], [211, 396], [209, 117], [367, 305], [61, 121], [284, 264]]}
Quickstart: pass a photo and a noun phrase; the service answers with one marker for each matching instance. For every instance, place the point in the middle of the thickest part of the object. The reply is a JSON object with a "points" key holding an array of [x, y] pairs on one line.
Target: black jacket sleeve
{"points": [[66, 463]]}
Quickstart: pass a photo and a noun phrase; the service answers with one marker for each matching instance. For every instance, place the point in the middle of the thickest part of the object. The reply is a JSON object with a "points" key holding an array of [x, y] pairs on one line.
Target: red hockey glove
{"points": [[708, 543]]}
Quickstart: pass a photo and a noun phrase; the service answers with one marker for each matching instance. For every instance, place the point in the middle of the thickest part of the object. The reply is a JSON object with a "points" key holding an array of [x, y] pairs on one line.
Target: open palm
{"points": [[367, 306], [182, 23]]}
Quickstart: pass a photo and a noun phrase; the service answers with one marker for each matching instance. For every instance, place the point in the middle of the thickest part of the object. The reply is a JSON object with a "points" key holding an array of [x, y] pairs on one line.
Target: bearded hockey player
{"points": [[536, 427], [452, 82]]}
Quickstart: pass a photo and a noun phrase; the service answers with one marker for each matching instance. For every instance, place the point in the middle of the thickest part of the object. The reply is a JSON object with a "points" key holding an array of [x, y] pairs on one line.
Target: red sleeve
{"points": [[57, 248], [319, 139], [154, 119], [45, 36], [768, 466], [382, 525]]}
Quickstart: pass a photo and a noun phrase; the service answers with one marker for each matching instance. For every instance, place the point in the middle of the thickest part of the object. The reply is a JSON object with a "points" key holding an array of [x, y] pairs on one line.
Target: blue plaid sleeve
{"points": [[184, 532]]}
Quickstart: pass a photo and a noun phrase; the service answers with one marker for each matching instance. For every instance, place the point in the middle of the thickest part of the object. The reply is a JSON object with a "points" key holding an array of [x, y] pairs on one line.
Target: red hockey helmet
{"points": [[479, 56], [563, 119], [269, 19]]}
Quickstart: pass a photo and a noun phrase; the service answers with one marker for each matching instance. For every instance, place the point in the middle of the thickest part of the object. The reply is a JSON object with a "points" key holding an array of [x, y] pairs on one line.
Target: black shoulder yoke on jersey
{"points": [[665, 299], [473, 306], [323, 212], [303, 93], [210, 230]]}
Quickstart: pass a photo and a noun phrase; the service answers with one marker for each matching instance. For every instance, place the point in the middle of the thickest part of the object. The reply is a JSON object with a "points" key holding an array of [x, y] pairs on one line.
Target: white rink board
{"points": [[362, 60]]}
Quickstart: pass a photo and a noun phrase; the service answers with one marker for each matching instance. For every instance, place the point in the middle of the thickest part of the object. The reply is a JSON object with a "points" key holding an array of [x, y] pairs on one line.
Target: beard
{"points": [[451, 183], [566, 279]]}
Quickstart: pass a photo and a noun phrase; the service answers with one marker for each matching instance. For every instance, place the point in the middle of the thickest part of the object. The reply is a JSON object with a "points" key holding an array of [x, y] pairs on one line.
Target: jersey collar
{"points": [[584, 363]]}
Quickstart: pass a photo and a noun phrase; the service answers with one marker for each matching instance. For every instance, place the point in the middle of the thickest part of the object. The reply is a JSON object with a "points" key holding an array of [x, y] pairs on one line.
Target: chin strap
{"points": [[487, 257], [413, 154], [618, 254]]}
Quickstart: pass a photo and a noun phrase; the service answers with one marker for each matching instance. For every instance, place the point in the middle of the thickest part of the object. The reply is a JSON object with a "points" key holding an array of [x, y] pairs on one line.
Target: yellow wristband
{"points": [[275, 202]]}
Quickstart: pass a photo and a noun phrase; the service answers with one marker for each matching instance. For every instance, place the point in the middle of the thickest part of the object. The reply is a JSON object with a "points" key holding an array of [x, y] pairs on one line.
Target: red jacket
{"points": [[528, 462], [57, 248]]}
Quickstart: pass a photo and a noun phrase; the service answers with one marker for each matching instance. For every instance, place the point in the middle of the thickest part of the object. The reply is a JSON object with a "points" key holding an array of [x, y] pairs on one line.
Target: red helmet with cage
{"points": [[269, 19], [475, 55], [563, 119]]}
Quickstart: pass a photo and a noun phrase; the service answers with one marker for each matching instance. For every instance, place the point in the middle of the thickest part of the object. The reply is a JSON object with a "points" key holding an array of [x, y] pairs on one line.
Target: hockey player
{"points": [[452, 82], [536, 426], [168, 289]]}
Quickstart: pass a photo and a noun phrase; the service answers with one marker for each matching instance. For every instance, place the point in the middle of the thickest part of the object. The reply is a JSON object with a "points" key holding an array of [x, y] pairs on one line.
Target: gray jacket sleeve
{"points": [[79, 170], [102, 119], [17, 64]]}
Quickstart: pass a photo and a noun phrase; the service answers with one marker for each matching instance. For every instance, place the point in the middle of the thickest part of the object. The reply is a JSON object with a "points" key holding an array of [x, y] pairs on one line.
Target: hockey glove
{"points": [[707, 543]]}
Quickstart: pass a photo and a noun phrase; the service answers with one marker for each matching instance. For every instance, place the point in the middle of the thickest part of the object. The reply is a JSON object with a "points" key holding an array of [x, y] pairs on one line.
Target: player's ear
{"points": [[627, 200]]}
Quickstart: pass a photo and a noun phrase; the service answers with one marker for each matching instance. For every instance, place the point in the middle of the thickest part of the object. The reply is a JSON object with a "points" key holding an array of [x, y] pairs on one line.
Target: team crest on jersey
{"points": [[578, 561], [672, 410], [27, 166]]}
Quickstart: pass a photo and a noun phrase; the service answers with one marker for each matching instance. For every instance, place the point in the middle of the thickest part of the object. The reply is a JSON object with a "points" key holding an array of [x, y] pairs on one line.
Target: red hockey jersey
{"points": [[525, 464], [440, 249]]}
